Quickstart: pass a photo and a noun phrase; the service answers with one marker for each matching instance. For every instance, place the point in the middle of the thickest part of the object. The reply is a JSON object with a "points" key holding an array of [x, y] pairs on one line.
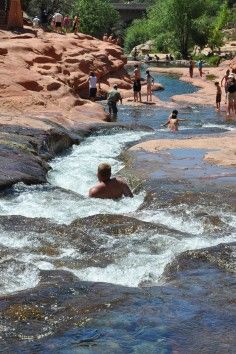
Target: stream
{"points": [[152, 274]]}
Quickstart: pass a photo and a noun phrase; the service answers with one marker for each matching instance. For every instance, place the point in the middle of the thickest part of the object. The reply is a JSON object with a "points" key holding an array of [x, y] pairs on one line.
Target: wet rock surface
{"points": [[65, 314]]}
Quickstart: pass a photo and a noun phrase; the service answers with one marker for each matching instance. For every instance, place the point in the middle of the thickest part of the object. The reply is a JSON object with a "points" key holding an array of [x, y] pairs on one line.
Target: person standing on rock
{"points": [[200, 65], [92, 86], [231, 95], [113, 98], [191, 67], [150, 83], [137, 83], [58, 19], [107, 187], [76, 24]]}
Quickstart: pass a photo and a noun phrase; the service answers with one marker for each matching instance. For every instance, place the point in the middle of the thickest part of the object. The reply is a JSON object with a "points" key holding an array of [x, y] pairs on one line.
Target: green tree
{"points": [[180, 20], [177, 25], [96, 16], [216, 35], [35, 7], [136, 34]]}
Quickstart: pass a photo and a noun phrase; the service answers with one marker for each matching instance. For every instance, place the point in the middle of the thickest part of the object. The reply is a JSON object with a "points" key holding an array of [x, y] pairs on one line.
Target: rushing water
{"points": [[129, 242]]}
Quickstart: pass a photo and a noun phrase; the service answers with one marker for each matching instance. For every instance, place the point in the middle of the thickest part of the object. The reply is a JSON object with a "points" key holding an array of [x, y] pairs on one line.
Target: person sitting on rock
{"points": [[113, 98], [107, 187]]}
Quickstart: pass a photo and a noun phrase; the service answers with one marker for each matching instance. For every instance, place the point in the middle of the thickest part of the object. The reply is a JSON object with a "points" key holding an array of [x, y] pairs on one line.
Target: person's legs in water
{"points": [[139, 90], [110, 108], [135, 91], [114, 110], [230, 103], [149, 92]]}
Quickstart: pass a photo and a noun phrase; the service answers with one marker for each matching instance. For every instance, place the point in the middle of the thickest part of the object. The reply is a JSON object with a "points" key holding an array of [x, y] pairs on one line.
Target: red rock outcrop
{"points": [[50, 72], [43, 91]]}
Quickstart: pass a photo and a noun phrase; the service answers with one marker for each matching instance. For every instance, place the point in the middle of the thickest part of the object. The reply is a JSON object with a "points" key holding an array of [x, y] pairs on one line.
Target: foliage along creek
{"points": [[154, 274]]}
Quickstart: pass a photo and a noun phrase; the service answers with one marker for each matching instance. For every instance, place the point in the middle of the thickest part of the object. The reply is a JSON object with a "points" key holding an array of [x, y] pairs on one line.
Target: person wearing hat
{"points": [[113, 98]]}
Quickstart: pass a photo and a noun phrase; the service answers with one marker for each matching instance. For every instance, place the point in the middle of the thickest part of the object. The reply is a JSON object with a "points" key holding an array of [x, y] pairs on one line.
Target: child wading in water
{"points": [[218, 95], [173, 121], [150, 82]]}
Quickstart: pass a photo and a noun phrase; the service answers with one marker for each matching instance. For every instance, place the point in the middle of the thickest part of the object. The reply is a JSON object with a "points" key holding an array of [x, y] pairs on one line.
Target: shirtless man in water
{"points": [[107, 187]]}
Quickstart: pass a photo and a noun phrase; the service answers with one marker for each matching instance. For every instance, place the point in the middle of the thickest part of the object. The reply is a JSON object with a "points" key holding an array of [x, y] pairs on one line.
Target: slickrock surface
{"points": [[43, 91]]}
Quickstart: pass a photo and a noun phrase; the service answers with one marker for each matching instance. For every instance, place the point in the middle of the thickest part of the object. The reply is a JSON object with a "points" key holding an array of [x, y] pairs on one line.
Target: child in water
{"points": [[173, 121]]}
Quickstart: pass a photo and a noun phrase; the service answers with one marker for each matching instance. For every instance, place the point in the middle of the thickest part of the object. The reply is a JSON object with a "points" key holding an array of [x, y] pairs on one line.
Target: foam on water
{"points": [[75, 173], [142, 266], [137, 258]]}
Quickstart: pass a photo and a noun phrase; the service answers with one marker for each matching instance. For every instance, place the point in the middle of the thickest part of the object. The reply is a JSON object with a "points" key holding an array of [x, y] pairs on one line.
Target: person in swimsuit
{"points": [[150, 83], [173, 121], [137, 83]]}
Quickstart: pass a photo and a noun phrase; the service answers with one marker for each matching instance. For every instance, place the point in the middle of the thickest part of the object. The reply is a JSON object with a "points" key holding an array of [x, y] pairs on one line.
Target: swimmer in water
{"points": [[173, 121], [109, 187]]}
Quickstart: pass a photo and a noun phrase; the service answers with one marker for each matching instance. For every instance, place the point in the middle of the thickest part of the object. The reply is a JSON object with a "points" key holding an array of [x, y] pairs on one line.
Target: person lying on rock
{"points": [[173, 121], [109, 187]]}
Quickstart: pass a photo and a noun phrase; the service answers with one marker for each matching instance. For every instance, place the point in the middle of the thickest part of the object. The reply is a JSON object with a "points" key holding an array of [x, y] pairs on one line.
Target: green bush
{"points": [[136, 34]]}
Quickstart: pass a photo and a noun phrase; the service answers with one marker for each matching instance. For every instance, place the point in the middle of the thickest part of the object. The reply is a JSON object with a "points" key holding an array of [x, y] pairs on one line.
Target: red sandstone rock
{"points": [[233, 65], [49, 73]]}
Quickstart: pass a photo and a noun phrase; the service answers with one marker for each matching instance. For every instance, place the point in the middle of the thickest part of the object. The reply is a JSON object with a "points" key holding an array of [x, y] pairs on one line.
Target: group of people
{"points": [[111, 39], [59, 23], [192, 66], [137, 87]]}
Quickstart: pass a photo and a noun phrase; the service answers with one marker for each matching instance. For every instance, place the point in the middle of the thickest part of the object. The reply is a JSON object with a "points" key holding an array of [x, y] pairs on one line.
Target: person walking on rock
{"points": [[218, 95], [231, 95], [137, 83], [200, 65]]}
